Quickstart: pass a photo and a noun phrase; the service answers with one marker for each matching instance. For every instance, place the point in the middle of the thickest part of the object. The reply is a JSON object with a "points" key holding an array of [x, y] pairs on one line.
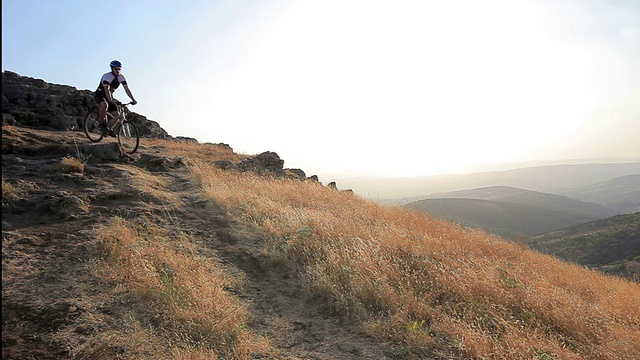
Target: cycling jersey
{"points": [[111, 80]]}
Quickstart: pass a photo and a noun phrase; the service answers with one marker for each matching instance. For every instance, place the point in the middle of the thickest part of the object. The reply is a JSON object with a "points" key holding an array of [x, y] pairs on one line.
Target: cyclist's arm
{"points": [[128, 91]]}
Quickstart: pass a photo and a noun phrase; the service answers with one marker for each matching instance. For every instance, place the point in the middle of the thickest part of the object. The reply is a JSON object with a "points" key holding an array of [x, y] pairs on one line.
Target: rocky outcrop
{"points": [[34, 102], [267, 163]]}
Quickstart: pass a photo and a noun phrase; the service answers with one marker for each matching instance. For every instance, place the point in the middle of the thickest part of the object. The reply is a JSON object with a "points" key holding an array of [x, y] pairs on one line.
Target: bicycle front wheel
{"points": [[128, 137], [92, 126]]}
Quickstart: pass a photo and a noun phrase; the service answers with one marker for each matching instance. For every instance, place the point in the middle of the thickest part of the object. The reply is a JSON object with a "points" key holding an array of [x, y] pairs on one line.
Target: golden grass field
{"points": [[432, 284], [424, 287]]}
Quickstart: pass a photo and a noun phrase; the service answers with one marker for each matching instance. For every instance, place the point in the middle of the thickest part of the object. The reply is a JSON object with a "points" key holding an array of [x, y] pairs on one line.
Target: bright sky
{"points": [[357, 87]]}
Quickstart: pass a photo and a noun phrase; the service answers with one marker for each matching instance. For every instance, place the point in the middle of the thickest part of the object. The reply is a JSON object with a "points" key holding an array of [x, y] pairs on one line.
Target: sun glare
{"points": [[461, 82]]}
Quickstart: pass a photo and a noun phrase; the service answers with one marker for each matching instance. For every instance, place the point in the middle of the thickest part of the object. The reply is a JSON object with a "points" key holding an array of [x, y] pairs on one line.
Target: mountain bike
{"points": [[125, 131]]}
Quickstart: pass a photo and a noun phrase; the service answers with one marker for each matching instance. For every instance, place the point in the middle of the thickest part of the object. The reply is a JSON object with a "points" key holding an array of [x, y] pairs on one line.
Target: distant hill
{"points": [[621, 194], [553, 202], [551, 179], [612, 244], [507, 219]]}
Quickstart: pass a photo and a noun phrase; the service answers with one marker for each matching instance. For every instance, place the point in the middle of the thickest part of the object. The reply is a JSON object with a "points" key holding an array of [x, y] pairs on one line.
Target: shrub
{"points": [[70, 164]]}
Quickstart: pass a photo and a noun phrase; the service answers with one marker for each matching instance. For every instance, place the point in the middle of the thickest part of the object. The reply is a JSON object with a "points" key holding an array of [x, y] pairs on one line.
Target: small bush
{"points": [[71, 164]]}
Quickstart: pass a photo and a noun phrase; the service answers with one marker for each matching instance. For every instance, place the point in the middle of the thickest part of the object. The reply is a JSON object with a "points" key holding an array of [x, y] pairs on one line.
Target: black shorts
{"points": [[100, 97]]}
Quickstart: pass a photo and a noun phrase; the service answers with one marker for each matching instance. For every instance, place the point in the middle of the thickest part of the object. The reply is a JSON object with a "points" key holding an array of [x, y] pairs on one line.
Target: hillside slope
{"points": [[563, 204], [621, 194], [56, 212], [163, 255], [507, 219], [612, 244]]}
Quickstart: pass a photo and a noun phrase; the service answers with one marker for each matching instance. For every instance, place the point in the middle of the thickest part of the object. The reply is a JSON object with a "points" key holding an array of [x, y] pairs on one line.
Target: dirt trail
{"points": [[47, 243]]}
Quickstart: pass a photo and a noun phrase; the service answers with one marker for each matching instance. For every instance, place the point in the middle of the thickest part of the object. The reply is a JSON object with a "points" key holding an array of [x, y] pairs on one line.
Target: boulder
{"points": [[296, 173], [270, 160], [225, 165]]}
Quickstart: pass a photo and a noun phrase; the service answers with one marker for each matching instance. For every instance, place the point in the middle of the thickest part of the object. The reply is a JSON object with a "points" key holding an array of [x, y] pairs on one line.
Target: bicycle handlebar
{"points": [[118, 102]]}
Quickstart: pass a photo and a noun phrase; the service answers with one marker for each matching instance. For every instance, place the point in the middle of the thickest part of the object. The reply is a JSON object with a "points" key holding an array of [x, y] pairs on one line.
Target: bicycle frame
{"points": [[124, 130], [122, 114]]}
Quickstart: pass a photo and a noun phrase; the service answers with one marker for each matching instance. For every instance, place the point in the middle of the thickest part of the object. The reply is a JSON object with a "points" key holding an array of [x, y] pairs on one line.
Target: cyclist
{"points": [[104, 94]]}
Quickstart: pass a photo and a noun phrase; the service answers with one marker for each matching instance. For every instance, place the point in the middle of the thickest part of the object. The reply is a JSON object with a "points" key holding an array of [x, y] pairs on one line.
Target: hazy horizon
{"points": [[553, 179], [359, 88], [502, 167]]}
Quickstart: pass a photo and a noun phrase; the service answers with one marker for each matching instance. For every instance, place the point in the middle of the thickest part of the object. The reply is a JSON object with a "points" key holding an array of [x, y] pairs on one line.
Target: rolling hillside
{"points": [[621, 194], [507, 219], [611, 244], [548, 179], [563, 204], [163, 255]]}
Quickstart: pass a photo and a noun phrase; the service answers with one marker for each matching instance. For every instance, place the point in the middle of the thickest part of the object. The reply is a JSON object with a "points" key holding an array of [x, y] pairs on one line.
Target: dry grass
{"points": [[9, 192], [176, 301], [430, 286], [14, 191], [148, 186], [433, 285], [70, 164], [206, 152]]}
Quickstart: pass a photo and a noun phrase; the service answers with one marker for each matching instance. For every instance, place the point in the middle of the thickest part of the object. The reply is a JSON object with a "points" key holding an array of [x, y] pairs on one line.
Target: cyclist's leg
{"points": [[114, 112], [102, 111], [113, 109], [102, 103], [104, 107]]}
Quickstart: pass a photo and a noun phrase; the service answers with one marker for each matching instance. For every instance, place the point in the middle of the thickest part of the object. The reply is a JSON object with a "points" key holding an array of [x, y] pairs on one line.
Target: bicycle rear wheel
{"points": [[92, 126], [128, 137]]}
